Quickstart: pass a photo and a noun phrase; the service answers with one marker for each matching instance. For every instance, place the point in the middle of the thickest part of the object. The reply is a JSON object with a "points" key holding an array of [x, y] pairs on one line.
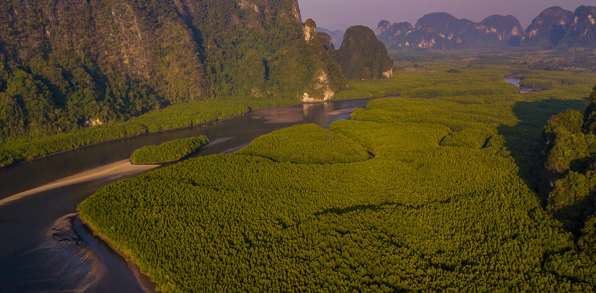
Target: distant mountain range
{"points": [[553, 28], [337, 36]]}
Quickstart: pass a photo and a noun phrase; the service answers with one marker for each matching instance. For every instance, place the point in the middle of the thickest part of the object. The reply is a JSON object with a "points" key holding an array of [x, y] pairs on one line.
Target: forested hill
{"points": [[66, 64]]}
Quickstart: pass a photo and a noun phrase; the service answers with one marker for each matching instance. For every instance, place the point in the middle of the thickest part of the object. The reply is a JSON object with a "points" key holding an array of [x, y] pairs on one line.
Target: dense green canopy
{"points": [[446, 204]]}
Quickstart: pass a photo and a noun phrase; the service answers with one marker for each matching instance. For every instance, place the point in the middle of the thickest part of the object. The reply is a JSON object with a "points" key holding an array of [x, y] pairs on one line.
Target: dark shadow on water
{"points": [[524, 140]]}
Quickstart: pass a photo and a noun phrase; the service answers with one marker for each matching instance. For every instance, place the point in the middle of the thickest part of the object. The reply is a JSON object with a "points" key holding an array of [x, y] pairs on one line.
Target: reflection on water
{"points": [[513, 81], [37, 251]]}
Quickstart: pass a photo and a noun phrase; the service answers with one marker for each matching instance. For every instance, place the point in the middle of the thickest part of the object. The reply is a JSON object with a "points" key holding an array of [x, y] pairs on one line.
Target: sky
{"points": [[340, 14]]}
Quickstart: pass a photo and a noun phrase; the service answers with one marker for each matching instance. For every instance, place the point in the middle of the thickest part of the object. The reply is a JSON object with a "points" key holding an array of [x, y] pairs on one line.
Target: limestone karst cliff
{"points": [[553, 28], [363, 56], [64, 63]]}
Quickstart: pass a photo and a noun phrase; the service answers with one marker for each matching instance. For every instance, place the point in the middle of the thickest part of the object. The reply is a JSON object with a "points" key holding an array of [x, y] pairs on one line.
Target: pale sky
{"points": [[339, 14]]}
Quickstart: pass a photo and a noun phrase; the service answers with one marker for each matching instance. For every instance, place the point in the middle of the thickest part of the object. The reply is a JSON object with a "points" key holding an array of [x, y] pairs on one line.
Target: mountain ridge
{"points": [[552, 28]]}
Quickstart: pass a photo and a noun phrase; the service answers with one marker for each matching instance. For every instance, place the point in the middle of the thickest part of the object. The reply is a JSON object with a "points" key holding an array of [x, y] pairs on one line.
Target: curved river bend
{"points": [[43, 248]]}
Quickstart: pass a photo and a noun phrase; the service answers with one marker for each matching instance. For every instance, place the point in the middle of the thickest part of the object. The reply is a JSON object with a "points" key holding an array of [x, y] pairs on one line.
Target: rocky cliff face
{"points": [[443, 31], [549, 28], [553, 28], [556, 27], [582, 31], [507, 28], [325, 77], [363, 56], [121, 58]]}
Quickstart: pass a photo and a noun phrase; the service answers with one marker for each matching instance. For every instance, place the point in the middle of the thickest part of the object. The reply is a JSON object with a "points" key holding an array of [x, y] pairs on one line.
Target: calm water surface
{"points": [[39, 252]]}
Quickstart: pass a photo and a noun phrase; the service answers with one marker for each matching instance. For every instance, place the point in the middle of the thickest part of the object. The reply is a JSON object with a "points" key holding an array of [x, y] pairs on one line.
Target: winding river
{"points": [[44, 248]]}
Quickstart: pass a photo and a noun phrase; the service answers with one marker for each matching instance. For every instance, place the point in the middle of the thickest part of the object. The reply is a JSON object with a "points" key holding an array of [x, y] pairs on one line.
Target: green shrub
{"points": [[172, 117], [469, 138], [306, 144], [418, 217], [169, 151]]}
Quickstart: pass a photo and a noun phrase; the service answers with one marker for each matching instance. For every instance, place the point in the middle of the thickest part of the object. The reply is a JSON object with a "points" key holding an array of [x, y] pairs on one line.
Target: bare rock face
{"points": [[507, 28], [443, 31], [363, 56], [310, 31], [553, 28], [327, 78], [549, 28], [582, 31]]}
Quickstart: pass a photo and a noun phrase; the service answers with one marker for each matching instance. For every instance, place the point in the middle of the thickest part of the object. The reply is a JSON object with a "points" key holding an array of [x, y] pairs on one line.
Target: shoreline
{"points": [[113, 170], [209, 123], [146, 283], [108, 171], [144, 279]]}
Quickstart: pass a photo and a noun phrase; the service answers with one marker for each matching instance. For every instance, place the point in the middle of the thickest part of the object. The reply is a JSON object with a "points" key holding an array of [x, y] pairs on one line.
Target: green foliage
{"points": [[433, 82], [66, 67], [169, 151], [588, 240], [52, 96], [172, 117], [570, 199], [419, 216], [306, 144], [362, 55], [469, 138], [565, 141], [571, 152], [590, 114]]}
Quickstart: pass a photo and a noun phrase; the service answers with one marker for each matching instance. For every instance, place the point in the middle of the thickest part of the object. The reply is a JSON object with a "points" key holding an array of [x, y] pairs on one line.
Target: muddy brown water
{"points": [[43, 250]]}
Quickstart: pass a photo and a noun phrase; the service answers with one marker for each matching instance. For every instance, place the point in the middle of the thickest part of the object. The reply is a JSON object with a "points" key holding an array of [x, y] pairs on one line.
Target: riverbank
{"points": [[110, 171], [175, 117], [143, 279], [197, 114]]}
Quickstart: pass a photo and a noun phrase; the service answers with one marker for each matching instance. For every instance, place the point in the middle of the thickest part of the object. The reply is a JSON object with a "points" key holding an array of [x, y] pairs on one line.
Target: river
{"points": [[42, 249], [517, 82]]}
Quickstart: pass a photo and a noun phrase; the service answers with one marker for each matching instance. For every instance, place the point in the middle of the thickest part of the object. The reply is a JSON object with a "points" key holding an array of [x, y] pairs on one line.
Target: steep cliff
{"points": [[325, 77], [363, 56], [444, 31], [549, 28], [553, 28], [507, 28], [70, 63], [582, 31]]}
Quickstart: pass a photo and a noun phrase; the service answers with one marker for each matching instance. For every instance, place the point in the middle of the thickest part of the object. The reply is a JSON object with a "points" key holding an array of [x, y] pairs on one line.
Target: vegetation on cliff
{"points": [[67, 65], [169, 151], [362, 56]]}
